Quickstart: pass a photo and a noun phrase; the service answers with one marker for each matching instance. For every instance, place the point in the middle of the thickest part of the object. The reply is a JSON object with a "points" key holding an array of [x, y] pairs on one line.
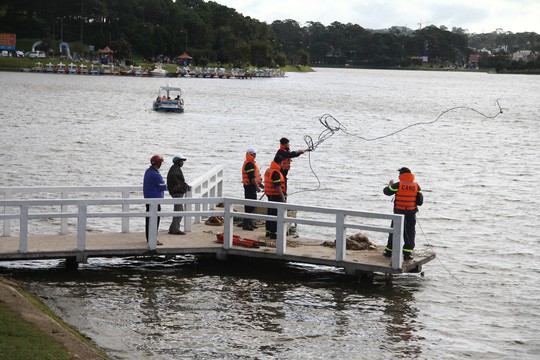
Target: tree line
{"points": [[211, 32]]}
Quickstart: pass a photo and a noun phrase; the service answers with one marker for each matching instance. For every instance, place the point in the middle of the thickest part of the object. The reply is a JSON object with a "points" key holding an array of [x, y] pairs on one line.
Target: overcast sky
{"points": [[477, 16]]}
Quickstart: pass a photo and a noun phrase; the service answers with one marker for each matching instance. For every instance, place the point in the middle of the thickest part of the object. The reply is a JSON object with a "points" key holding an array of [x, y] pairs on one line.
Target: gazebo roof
{"points": [[185, 56], [106, 50]]}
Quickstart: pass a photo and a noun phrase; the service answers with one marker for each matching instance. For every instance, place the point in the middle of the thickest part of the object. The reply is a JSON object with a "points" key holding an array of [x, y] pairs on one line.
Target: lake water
{"points": [[479, 299]]}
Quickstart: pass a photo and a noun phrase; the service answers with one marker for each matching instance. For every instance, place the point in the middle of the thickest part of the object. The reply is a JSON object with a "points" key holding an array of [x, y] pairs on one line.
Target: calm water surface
{"points": [[482, 300]]}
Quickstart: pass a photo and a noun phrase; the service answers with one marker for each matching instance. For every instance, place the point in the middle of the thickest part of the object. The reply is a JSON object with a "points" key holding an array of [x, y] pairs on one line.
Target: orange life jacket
{"points": [[269, 188], [406, 193], [286, 163], [256, 172]]}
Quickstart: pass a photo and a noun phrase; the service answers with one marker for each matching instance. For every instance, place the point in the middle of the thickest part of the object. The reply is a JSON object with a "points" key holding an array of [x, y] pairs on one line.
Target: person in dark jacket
{"points": [[251, 178], [286, 154], [153, 187], [176, 183], [408, 196]]}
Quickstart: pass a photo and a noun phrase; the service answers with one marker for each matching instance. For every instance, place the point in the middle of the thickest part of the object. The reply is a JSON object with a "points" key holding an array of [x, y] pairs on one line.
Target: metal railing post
{"points": [[341, 244], [125, 209], [188, 220], [23, 230], [397, 244], [227, 224], [7, 222], [81, 226], [152, 226], [281, 243], [64, 209]]}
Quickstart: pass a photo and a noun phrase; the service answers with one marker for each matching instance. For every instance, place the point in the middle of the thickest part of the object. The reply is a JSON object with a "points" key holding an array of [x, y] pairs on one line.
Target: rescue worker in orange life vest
{"points": [[251, 178], [408, 196], [275, 188], [286, 153]]}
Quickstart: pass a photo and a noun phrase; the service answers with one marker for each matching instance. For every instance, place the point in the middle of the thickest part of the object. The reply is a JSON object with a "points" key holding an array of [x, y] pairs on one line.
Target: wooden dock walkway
{"points": [[77, 241], [201, 240]]}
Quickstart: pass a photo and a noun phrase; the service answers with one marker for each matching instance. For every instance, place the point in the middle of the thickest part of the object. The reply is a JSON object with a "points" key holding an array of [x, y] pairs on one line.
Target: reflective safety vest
{"points": [[406, 193], [255, 170], [269, 188], [286, 163]]}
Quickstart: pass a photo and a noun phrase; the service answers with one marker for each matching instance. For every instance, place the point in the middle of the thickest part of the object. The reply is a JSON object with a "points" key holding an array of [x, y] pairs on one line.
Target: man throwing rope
{"points": [[286, 154]]}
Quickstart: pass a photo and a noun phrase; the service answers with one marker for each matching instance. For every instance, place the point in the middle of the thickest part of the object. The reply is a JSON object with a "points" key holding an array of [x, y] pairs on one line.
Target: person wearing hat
{"points": [[153, 187], [286, 154], [408, 196], [251, 178], [275, 189], [176, 183]]}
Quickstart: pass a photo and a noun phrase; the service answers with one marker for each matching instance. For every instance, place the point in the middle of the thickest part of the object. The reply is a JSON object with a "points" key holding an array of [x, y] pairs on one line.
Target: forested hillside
{"points": [[210, 32]]}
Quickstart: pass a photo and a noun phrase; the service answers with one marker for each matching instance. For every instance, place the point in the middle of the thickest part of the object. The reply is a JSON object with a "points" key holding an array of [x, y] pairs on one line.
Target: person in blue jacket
{"points": [[153, 187]]}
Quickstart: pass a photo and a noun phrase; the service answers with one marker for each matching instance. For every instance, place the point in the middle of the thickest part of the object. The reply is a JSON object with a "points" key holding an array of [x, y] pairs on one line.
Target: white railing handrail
{"points": [[204, 207], [210, 184]]}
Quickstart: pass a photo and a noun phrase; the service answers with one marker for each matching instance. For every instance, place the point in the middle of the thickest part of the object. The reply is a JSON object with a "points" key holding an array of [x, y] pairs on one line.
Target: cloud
{"points": [[477, 16]]}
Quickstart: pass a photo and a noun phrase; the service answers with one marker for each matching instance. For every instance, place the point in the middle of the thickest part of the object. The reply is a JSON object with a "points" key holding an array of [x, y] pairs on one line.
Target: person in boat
{"points": [[275, 189], [408, 196], [286, 154], [158, 100], [177, 97], [251, 178], [153, 187], [176, 183]]}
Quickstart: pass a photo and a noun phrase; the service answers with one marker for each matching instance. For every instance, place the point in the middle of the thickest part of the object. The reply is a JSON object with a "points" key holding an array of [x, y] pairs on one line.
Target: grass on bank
{"points": [[20, 339]]}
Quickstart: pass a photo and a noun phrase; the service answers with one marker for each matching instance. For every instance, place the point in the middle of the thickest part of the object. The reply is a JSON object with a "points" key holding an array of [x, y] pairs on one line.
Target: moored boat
{"points": [[72, 69], [38, 67], [165, 103], [83, 69], [94, 70], [158, 71], [61, 68]]}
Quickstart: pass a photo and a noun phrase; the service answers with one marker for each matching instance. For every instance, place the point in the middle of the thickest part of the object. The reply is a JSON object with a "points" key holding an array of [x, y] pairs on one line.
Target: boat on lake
{"points": [[158, 71], [38, 67], [83, 69], [169, 99], [61, 68], [94, 70], [72, 69]]}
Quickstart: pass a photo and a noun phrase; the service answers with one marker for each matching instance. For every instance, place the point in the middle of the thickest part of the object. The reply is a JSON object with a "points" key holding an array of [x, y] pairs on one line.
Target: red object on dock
{"points": [[238, 241]]}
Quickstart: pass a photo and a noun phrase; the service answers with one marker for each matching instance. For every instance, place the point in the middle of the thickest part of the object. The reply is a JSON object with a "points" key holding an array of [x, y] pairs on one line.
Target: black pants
{"points": [[409, 233], [250, 192], [271, 226], [147, 223]]}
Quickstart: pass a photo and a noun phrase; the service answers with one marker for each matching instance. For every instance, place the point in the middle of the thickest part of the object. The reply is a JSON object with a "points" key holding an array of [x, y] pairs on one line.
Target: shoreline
{"points": [[30, 309]]}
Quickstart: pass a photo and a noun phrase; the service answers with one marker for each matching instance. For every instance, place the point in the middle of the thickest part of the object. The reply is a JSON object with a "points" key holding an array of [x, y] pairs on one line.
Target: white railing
{"points": [[203, 207], [209, 184]]}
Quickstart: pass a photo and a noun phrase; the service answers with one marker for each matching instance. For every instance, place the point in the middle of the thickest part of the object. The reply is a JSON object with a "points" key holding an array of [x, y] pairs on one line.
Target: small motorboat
{"points": [[166, 102]]}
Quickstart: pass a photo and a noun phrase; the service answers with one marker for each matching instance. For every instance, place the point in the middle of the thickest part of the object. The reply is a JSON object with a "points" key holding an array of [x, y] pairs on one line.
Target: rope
{"points": [[438, 259], [332, 125]]}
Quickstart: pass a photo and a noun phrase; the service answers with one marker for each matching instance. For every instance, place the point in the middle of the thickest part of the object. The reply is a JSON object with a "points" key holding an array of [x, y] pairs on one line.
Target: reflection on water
{"points": [[176, 309]]}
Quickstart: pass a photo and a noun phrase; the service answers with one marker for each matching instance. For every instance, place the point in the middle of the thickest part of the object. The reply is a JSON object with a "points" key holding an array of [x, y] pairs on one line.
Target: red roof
{"points": [[106, 50], [185, 56]]}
